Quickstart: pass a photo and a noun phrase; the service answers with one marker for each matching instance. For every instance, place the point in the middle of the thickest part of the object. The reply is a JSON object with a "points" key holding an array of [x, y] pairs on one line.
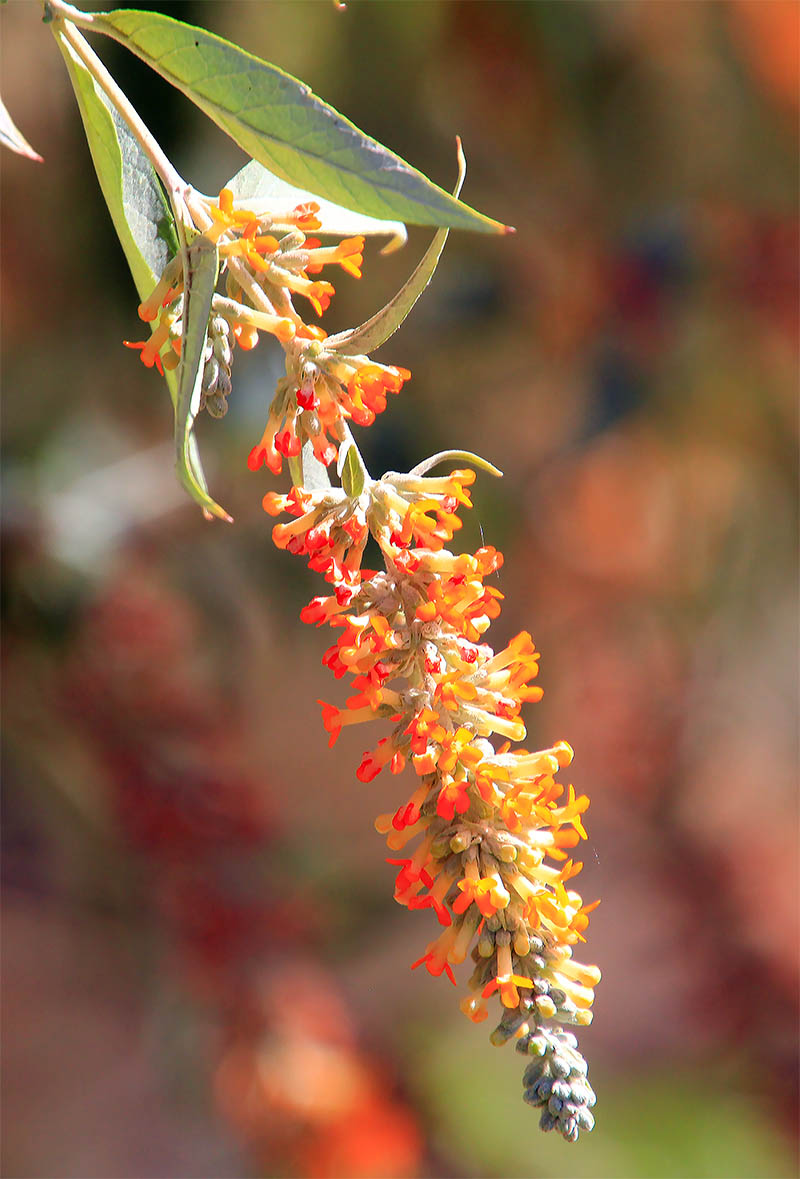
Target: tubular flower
{"points": [[492, 826]]}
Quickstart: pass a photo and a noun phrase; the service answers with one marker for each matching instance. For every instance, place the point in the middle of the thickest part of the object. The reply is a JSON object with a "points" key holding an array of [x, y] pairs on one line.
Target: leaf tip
{"points": [[23, 148], [218, 513], [396, 241], [508, 229], [12, 137]]}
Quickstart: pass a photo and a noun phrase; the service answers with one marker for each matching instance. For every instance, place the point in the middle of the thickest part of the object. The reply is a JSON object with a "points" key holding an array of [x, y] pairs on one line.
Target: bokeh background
{"points": [[204, 971]]}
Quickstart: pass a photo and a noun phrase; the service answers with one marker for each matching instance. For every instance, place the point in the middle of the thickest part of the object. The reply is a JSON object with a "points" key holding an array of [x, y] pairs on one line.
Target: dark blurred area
{"points": [[204, 973]]}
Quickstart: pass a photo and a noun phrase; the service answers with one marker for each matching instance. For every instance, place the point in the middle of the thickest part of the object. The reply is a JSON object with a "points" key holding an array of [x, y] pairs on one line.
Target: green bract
{"points": [[352, 470]]}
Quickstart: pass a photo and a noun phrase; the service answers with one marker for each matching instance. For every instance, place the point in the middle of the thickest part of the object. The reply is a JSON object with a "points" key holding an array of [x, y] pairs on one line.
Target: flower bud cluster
{"points": [[217, 360], [555, 1082]]}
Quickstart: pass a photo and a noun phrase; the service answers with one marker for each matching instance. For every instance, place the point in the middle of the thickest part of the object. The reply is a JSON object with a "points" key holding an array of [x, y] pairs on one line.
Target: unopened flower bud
{"points": [[216, 405], [460, 841], [486, 945], [210, 375]]}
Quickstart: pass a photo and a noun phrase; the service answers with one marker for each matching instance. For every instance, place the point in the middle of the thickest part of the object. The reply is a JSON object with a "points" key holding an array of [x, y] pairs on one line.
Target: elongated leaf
{"points": [[378, 329], [200, 278], [131, 189], [258, 186], [11, 136], [279, 122], [143, 221]]}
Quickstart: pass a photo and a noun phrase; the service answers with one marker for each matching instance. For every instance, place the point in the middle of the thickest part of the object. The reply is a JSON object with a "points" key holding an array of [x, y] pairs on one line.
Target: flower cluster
{"points": [[266, 261], [485, 837]]}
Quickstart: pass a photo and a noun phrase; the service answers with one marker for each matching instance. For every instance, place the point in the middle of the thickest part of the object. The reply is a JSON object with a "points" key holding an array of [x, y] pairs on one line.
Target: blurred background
{"points": [[204, 973]]}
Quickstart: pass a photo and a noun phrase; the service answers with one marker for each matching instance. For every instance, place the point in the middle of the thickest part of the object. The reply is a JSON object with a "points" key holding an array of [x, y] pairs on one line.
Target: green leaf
{"points": [[11, 136], [278, 121], [378, 329], [258, 186], [201, 267], [131, 188], [145, 227]]}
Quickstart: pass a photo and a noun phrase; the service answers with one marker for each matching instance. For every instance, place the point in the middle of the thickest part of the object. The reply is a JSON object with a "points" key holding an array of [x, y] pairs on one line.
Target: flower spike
{"points": [[491, 824], [484, 833]]}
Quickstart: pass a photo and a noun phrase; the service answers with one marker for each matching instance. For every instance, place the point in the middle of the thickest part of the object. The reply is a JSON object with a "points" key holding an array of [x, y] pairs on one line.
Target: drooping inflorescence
{"points": [[484, 838]]}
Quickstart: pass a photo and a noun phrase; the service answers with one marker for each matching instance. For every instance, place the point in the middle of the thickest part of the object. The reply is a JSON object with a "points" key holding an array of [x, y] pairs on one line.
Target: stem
{"points": [[240, 311], [177, 188], [251, 288]]}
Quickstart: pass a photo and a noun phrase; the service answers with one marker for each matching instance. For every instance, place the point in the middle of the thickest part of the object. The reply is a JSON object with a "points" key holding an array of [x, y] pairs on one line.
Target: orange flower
{"points": [[348, 254], [149, 350], [489, 894]]}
